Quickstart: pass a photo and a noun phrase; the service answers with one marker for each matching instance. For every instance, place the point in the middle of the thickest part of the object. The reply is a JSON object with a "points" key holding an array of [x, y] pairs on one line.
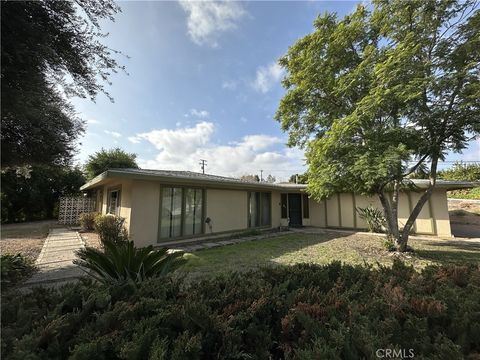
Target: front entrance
{"points": [[295, 209]]}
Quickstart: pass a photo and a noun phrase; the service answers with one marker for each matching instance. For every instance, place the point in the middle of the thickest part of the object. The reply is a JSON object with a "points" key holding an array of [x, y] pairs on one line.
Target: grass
{"points": [[325, 248]]}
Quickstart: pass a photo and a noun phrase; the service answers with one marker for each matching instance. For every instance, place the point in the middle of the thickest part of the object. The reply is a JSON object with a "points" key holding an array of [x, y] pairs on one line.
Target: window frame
{"points": [[260, 206], [111, 190], [183, 207]]}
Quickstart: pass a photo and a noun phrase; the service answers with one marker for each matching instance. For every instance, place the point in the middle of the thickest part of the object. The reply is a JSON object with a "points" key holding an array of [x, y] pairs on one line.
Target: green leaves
{"points": [[109, 159], [123, 262]]}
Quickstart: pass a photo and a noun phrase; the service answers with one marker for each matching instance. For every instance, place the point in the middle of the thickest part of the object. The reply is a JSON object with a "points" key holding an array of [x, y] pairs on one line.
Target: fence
{"points": [[70, 209]]}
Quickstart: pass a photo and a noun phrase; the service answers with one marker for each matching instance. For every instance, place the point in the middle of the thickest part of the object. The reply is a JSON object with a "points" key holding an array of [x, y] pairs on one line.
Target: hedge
{"points": [[299, 312]]}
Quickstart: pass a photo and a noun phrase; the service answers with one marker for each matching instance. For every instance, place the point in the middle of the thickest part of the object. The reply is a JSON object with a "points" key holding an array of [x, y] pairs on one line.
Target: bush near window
{"points": [[298, 312], [111, 228], [87, 220], [14, 269]]}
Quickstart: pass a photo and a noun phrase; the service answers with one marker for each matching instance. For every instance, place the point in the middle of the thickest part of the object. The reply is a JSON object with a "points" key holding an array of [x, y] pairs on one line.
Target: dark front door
{"points": [[295, 209]]}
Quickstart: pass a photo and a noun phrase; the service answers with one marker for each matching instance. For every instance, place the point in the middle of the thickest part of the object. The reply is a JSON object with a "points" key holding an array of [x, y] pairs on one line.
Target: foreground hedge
{"points": [[300, 312]]}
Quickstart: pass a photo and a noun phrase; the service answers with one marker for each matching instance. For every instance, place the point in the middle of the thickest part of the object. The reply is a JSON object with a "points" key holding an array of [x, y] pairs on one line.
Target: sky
{"points": [[202, 82]]}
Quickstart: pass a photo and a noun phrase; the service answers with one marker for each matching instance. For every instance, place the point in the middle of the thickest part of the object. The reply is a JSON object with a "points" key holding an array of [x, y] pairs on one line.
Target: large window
{"points": [[181, 212], [259, 209], [306, 209], [113, 204]]}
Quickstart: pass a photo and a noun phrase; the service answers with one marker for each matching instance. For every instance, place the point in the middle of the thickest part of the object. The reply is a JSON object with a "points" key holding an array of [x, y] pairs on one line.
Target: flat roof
{"points": [[190, 177]]}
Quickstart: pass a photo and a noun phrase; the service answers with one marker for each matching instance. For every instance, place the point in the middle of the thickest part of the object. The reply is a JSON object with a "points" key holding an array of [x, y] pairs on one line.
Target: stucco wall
{"points": [[125, 198], [276, 209], [227, 209], [145, 212], [433, 219]]}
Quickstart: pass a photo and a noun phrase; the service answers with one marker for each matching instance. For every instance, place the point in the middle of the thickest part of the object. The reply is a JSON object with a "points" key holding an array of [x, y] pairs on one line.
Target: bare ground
{"points": [[465, 218], [25, 238], [91, 239]]}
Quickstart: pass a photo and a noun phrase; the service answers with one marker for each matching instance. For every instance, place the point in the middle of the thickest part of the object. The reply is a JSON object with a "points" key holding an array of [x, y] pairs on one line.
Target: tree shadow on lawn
{"points": [[462, 245]]}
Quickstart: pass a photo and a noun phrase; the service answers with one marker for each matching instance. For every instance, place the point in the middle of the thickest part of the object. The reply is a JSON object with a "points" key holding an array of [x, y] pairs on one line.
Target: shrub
{"points": [[298, 312], [111, 228], [373, 217], [123, 262], [14, 269], [87, 220]]}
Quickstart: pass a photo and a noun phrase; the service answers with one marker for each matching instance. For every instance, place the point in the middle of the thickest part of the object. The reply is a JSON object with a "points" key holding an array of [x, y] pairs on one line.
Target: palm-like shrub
{"points": [[123, 262], [373, 217]]}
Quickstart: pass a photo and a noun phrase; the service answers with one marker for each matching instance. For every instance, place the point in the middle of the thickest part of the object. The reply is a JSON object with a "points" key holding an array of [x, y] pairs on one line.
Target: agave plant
{"points": [[373, 217], [124, 262]]}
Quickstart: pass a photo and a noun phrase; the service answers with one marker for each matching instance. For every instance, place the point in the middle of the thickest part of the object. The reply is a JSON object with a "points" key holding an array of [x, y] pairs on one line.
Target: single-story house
{"points": [[164, 206]]}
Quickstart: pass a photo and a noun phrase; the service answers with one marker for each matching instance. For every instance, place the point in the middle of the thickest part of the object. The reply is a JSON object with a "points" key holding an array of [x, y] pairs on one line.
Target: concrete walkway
{"points": [[55, 262]]}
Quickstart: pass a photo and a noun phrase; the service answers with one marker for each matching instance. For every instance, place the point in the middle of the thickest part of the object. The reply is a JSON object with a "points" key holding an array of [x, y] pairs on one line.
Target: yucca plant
{"points": [[123, 262], [373, 217]]}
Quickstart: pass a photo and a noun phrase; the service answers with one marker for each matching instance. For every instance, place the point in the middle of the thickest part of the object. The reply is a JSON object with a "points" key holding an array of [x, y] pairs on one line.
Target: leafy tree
{"points": [[50, 50], [298, 178], [34, 195], [376, 94], [461, 172], [109, 159], [253, 178], [270, 179]]}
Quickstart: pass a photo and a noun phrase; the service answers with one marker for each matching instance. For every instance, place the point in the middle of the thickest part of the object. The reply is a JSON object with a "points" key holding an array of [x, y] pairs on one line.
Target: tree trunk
{"points": [[418, 207], [387, 211]]}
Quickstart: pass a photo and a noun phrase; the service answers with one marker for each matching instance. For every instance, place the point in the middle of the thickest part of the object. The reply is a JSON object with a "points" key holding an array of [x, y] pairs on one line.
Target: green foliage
{"points": [[109, 159], [87, 220], [302, 178], [110, 228], [14, 269], [373, 217], [34, 195], [461, 172], [299, 312], [389, 83], [123, 262], [49, 49], [473, 194]]}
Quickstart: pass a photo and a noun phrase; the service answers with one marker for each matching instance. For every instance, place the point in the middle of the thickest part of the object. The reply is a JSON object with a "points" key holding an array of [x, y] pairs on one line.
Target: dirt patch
{"points": [[91, 239], [25, 238], [464, 212]]}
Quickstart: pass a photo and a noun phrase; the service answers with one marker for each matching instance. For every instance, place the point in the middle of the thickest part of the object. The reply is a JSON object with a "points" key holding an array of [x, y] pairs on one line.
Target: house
{"points": [[161, 207]]}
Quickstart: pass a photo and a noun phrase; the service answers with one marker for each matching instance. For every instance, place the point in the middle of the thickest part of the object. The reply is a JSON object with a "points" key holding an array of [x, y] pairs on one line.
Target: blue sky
{"points": [[203, 83]]}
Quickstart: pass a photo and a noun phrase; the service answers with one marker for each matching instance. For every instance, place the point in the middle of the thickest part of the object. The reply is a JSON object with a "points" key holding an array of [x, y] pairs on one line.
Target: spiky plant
{"points": [[373, 217], [124, 262]]}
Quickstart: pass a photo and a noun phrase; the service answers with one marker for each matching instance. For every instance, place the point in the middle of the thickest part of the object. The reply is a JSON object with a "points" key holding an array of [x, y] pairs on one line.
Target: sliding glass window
{"points": [[259, 209], [193, 212], [181, 212]]}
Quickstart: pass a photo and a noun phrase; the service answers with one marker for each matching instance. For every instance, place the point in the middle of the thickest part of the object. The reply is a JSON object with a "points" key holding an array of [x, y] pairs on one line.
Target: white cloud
{"points": [[181, 148], [202, 114], [93, 121], [113, 133], [208, 19], [267, 77]]}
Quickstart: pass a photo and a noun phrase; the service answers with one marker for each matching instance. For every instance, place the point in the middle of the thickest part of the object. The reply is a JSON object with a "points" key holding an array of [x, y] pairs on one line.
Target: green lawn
{"points": [[324, 248]]}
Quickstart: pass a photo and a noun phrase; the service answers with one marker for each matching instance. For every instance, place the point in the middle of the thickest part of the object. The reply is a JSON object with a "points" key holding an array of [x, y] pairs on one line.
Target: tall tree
{"points": [[50, 50], [109, 159], [34, 195], [375, 95]]}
